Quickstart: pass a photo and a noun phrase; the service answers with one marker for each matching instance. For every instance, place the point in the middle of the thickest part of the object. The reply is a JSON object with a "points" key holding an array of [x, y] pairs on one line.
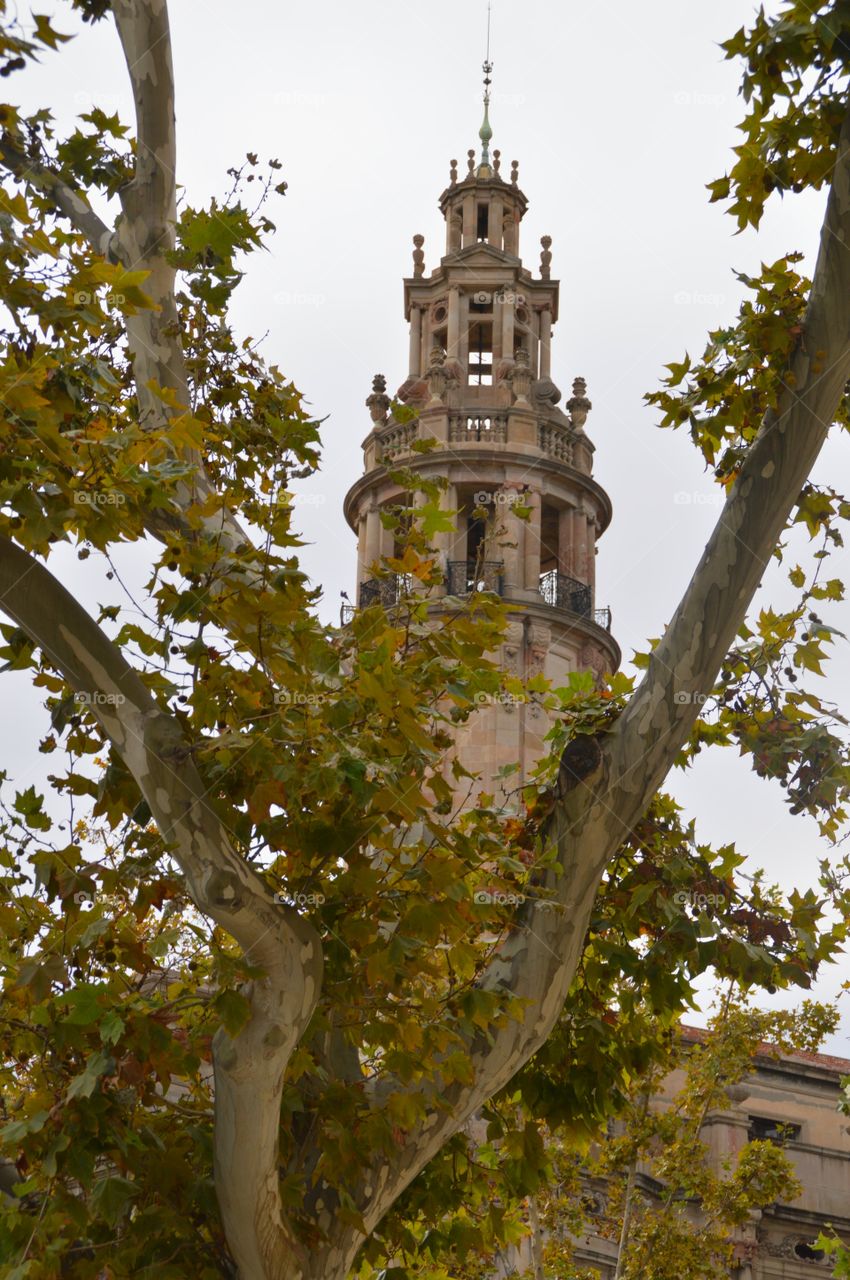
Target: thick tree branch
{"points": [[248, 1067], [689, 656], [66, 198]]}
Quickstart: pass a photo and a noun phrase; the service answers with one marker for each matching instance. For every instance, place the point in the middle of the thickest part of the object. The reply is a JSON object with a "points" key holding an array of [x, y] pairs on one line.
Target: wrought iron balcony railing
{"points": [[386, 591], [463, 577], [566, 593]]}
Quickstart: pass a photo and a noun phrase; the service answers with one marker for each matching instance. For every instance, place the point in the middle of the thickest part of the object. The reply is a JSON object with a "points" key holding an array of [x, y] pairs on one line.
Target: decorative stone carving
{"points": [[578, 405], [520, 376], [515, 171], [593, 659], [441, 378], [413, 391], [497, 162], [539, 639], [545, 392], [785, 1248], [418, 255], [546, 257], [512, 647], [378, 403], [453, 172], [470, 161]]}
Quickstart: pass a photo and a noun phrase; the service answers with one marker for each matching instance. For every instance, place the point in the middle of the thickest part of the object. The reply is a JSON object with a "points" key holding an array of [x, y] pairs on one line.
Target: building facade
{"points": [[792, 1098]]}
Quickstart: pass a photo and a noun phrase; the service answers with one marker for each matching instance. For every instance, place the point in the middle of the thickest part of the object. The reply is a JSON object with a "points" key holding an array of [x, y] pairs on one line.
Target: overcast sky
{"points": [[619, 115]]}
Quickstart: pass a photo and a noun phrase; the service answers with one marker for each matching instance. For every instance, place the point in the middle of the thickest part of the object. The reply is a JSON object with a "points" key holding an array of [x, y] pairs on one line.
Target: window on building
{"points": [[483, 218], [481, 354], [767, 1129]]}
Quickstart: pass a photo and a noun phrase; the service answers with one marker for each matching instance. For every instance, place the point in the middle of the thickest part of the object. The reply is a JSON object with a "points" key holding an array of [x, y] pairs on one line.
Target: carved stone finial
{"points": [[520, 375], [578, 405], [378, 403], [453, 171], [497, 160], [418, 255], [515, 171], [546, 257], [470, 160], [440, 378], [545, 392]]}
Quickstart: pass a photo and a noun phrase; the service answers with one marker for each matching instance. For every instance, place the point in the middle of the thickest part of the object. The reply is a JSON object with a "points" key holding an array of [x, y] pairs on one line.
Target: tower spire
{"points": [[485, 133]]}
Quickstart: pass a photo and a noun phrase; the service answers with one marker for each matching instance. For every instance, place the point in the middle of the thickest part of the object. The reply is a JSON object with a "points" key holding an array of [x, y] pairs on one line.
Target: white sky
{"points": [[618, 116]]}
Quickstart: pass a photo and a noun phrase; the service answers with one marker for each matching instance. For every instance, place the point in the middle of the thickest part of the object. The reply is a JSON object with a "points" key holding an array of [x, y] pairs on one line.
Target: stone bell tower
{"points": [[480, 380]]}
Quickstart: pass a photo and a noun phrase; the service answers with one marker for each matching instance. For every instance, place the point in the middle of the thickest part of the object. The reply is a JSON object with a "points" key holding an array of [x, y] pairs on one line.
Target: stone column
{"points": [[508, 543], [454, 323], [534, 343], [494, 222], [580, 546], [415, 341], [457, 550], [444, 539], [591, 552], [463, 338], [565, 541], [361, 556], [507, 311], [532, 543], [425, 342], [469, 236], [545, 342], [372, 547]]}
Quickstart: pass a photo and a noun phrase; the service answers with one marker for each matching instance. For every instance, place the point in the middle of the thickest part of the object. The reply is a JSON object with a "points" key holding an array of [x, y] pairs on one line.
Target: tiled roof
{"points": [[827, 1061]]}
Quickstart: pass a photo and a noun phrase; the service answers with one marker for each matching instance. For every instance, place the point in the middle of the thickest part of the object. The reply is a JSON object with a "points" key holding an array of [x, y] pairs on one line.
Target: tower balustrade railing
{"points": [[463, 577], [563, 592]]}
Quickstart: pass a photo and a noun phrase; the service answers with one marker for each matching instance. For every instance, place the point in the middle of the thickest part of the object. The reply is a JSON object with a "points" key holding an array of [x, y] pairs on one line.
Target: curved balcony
{"points": [[551, 434], [464, 577]]}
